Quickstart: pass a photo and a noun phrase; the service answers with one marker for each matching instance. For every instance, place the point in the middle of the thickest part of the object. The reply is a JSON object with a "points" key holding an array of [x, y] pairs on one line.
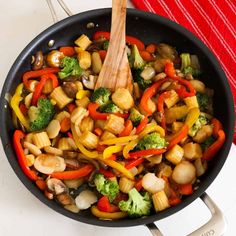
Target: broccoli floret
{"points": [[106, 187], [150, 141], [135, 116], [70, 66], [190, 70], [202, 120], [137, 205], [105, 45], [101, 96], [110, 108], [135, 58], [185, 60], [41, 115], [203, 101], [207, 143], [186, 66], [142, 83]]}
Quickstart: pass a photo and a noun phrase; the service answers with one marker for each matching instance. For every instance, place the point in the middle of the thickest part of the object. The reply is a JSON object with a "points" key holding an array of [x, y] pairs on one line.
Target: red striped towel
{"points": [[213, 21]]}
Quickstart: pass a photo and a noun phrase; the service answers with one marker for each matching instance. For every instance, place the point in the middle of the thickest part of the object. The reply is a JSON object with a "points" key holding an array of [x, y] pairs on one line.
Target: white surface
{"points": [[20, 212]]}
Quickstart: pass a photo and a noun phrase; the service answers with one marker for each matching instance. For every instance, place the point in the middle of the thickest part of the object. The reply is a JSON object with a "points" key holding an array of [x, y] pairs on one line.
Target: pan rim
{"points": [[125, 222]]}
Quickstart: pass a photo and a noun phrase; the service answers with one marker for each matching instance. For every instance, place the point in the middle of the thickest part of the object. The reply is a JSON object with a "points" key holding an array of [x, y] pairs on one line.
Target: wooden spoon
{"points": [[115, 72]]}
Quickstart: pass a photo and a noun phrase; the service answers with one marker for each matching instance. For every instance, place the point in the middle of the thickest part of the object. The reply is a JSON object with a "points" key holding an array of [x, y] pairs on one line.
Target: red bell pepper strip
{"points": [[133, 40], [129, 39], [128, 129], [178, 136], [102, 54], [113, 157], [40, 85], [23, 109], [67, 51], [217, 126], [170, 69], [96, 115], [211, 151], [101, 34], [160, 107], [185, 189], [37, 73], [129, 165], [151, 48], [92, 108], [17, 136], [106, 173], [174, 199], [142, 125], [148, 94], [73, 174], [71, 107], [138, 185], [153, 151], [105, 205], [182, 91]]}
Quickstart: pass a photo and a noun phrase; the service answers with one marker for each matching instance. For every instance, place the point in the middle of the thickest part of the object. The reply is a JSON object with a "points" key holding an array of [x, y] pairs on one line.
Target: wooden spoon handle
{"points": [[117, 46]]}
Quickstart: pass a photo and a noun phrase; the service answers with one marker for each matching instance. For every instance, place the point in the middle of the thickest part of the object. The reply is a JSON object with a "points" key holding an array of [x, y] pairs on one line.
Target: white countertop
{"points": [[20, 212]]}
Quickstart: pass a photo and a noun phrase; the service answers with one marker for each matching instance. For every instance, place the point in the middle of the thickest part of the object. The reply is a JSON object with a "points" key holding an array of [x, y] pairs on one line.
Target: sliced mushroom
{"points": [[69, 154], [38, 61], [56, 186], [166, 51], [65, 199], [47, 164], [72, 163], [54, 58], [70, 89], [74, 183], [89, 82], [72, 207]]}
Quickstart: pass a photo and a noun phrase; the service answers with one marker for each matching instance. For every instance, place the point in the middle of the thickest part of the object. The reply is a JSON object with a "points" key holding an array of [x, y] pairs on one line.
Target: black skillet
{"points": [[149, 28]]}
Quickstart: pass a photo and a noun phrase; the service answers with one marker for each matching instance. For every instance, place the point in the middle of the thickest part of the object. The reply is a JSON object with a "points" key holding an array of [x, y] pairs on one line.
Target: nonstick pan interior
{"points": [[149, 28]]}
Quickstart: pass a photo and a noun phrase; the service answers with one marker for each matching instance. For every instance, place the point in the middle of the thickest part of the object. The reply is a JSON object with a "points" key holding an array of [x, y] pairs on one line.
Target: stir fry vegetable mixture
{"points": [[119, 154]]}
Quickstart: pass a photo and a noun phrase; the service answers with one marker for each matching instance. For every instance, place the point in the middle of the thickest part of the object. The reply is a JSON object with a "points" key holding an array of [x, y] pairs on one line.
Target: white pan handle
{"points": [[53, 9], [216, 226]]}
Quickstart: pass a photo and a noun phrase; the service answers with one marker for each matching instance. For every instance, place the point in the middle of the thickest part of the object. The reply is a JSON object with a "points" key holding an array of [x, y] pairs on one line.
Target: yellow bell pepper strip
{"points": [[148, 94], [82, 149], [152, 128], [192, 117], [128, 147], [15, 102], [108, 215], [177, 137], [17, 136], [73, 174], [211, 151], [118, 167], [118, 140], [111, 150], [152, 151]]}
